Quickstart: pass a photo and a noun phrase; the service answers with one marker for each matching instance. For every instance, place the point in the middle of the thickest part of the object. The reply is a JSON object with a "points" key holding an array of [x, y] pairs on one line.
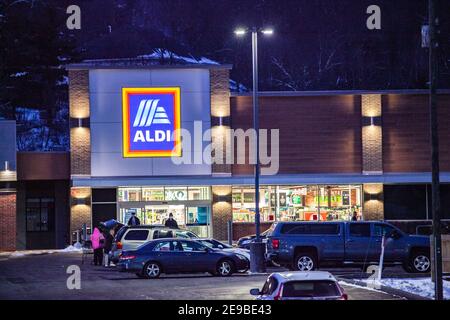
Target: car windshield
{"points": [[320, 288], [185, 234], [214, 244]]}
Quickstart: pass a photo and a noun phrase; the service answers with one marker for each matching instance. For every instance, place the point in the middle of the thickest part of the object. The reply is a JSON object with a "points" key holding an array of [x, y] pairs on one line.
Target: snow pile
{"points": [[72, 249], [24, 253], [420, 286], [163, 54]]}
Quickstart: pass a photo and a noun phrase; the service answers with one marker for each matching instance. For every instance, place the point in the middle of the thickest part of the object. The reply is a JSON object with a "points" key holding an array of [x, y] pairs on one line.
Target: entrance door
{"points": [[158, 214]]}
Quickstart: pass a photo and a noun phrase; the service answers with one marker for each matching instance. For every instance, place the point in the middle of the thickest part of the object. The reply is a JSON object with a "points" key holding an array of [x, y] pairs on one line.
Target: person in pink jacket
{"points": [[97, 245]]}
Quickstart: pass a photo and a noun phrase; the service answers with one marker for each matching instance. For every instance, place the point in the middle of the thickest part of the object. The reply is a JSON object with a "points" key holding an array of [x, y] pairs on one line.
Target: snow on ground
{"points": [[23, 253], [347, 284], [420, 286]]}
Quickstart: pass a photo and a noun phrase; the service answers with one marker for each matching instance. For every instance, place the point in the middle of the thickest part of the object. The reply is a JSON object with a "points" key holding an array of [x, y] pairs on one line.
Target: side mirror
{"points": [[255, 292], [220, 246], [395, 235]]}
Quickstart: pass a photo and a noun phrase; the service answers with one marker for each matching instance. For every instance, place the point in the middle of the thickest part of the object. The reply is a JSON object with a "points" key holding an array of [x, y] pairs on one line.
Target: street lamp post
{"points": [[257, 248], [435, 194]]}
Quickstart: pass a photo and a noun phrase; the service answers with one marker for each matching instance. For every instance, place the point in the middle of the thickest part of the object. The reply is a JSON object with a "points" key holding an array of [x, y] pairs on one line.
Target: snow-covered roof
{"points": [[159, 58]]}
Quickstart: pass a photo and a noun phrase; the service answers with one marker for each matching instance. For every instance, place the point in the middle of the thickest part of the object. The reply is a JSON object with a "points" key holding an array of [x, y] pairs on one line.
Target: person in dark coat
{"points": [[134, 221], [109, 238], [171, 222], [355, 216]]}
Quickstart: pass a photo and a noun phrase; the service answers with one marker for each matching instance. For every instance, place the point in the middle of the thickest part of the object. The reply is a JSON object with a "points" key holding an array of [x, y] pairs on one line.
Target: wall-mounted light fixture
{"points": [[221, 121], [222, 198], [371, 121], [79, 123], [80, 201]]}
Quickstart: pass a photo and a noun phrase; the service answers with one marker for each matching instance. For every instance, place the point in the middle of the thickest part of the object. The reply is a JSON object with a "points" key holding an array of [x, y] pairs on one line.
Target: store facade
{"points": [[336, 150]]}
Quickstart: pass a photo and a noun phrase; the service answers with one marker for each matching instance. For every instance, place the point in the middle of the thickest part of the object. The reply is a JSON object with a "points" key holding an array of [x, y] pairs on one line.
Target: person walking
{"points": [[134, 221], [171, 222], [109, 238], [97, 240]]}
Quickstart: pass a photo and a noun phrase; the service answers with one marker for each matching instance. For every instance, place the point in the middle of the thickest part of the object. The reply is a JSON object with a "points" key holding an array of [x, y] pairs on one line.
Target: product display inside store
{"points": [[298, 203], [190, 206]]}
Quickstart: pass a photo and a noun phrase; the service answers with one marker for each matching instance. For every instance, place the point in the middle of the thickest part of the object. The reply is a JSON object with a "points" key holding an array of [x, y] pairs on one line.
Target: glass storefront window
{"points": [[129, 194], [198, 193], [152, 194], [175, 194], [164, 194], [298, 203]]}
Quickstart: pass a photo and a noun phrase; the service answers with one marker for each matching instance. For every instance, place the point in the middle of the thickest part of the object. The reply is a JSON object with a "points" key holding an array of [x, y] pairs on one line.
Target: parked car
{"points": [[244, 242], [216, 244], [305, 246], [311, 285], [131, 237], [180, 256]]}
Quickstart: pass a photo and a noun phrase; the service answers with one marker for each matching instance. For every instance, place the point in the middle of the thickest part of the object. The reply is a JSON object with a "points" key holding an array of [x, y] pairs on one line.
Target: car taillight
{"points": [[275, 243], [127, 257], [119, 245], [278, 295], [343, 297]]}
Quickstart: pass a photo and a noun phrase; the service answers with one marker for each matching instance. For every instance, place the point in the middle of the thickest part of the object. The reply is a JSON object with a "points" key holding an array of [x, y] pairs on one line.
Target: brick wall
{"points": [[80, 213], [373, 206], [221, 211], [8, 221], [242, 229], [80, 137], [372, 139], [220, 108]]}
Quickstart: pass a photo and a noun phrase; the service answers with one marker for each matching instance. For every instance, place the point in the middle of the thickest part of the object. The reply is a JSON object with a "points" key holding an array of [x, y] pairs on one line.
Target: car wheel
{"points": [[420, 262], [305, 262], [224, 268], [151, 270]]}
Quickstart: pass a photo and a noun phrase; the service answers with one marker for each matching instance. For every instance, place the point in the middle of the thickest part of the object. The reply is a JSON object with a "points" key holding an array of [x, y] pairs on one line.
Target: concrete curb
{"points": [[385, 289]]}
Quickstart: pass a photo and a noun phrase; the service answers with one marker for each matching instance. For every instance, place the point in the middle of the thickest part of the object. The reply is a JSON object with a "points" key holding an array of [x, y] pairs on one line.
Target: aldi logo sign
{"points": [[151, 122]]}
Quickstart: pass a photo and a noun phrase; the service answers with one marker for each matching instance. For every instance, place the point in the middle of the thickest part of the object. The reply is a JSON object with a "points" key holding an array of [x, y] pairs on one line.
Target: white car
{"points": [[299, 285], [130, 238]]}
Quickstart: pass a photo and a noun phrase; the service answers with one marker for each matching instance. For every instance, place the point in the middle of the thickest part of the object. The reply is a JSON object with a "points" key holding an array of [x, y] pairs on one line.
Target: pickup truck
{"points": [[305, 246]]}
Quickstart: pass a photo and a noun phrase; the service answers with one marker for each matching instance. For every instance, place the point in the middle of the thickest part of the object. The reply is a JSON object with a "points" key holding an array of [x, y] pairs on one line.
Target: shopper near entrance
{"points": [[355, 216], [109, 238], [134, 221], [97, 240], [171, 222]]}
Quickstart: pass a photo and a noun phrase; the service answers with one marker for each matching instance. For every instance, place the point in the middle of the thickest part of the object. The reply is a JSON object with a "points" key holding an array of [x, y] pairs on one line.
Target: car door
{"points": [[197, 257], [170, 256], [393, 247], [357, 242]]}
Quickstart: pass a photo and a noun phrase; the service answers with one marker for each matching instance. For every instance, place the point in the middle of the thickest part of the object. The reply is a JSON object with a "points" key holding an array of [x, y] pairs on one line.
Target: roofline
{"points": [[135, 64], [335, 92]]}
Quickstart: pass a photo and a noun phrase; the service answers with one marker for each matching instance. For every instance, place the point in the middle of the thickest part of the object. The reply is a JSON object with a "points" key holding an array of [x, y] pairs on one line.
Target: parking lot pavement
{"points": [[45, 277]]}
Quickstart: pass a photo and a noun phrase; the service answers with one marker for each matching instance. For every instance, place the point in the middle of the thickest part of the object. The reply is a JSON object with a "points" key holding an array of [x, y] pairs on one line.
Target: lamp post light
{"points": [[257, 248]]}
